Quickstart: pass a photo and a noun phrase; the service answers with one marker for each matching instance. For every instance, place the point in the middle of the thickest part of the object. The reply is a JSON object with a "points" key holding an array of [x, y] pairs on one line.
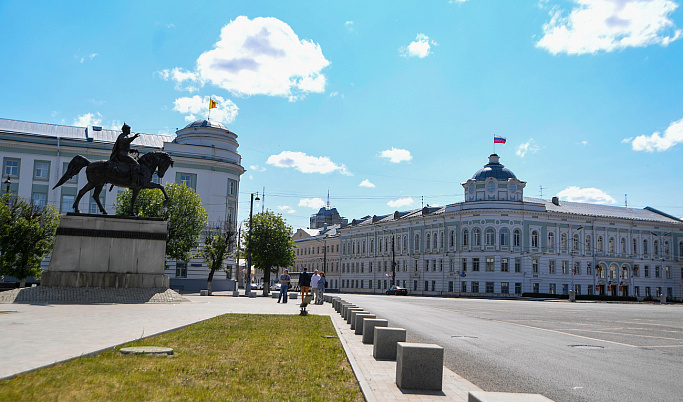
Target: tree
{"points": [[27, 235], [217, 246], [184, 213], [271, 244]]}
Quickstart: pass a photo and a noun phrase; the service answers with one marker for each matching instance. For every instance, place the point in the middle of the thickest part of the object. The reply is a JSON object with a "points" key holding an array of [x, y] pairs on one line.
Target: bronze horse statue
{"points": [[100, 173]]}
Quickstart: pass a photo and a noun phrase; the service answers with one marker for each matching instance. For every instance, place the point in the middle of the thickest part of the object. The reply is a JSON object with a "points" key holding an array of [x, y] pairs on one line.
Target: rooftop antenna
{"points": [[423, 201], [626, 200], [263, 200], [541, 188], [328, 198]]}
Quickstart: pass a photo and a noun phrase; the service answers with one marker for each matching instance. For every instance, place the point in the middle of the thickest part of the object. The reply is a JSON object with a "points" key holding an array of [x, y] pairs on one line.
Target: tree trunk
{"points": [[266, 281], [208, 282], [22, 282]]}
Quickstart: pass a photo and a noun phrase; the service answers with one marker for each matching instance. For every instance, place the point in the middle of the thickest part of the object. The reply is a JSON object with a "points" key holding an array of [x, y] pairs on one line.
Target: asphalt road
{"points": [[565, 351]]}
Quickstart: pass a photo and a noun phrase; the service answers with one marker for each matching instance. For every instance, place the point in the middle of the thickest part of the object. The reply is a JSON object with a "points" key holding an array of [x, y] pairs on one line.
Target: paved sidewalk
{"points": [[40, 334]]}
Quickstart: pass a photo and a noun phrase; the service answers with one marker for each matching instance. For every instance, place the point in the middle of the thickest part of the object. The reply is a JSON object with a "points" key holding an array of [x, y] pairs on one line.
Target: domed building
{"points": [[499, 243], [35, 156]]}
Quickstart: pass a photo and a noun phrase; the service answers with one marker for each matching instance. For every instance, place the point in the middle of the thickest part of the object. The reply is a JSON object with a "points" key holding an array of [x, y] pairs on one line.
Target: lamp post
{"points": [[247, 286]]}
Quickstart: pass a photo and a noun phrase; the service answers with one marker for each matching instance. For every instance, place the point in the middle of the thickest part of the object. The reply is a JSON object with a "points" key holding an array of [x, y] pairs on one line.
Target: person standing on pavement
{"points": [[314, 285], [304, 283], [322, 284], [285, 282]]}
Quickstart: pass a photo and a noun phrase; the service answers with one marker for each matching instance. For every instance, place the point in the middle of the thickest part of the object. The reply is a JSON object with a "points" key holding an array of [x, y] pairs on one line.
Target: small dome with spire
{"points": [[494, 169]]}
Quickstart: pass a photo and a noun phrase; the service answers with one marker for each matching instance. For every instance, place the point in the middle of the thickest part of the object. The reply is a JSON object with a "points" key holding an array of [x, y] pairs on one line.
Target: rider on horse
{"points": [[121, 151]]}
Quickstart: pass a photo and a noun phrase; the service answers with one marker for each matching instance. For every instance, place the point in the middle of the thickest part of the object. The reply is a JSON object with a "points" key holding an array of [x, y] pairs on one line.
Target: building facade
{"points": [[318, 249], [498, 242], [34, 156]]}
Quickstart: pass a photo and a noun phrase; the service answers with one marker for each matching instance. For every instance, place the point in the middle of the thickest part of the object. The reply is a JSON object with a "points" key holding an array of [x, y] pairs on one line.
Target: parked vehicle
{"points": [[397, 290]]}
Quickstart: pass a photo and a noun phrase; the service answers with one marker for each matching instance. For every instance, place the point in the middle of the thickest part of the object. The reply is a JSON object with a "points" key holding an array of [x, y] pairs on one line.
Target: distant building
{"points": [[35, 155], [318, 249], [498, 242], [326, 216]]}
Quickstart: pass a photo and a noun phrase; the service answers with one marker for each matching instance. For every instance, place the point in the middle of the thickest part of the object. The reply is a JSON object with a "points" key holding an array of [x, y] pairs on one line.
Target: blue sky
{"points": [[387, 105]]}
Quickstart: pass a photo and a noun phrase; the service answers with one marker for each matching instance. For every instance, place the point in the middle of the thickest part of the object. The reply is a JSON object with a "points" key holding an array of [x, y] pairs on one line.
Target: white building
{"points": [[498, 242], [35, 155]]}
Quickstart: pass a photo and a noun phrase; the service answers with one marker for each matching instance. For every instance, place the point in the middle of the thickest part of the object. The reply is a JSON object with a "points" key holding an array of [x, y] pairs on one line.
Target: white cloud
{"points": [[349, 25], [257, 168], [608, 25], [305, 163], [401, 202], [262, 56], [286, 209], [313, 203], [397, 155], [88, 119], [589, 195], [657, 142], [456, 1], [366, 183], [420, 47], [529, 146], [197, 107]]}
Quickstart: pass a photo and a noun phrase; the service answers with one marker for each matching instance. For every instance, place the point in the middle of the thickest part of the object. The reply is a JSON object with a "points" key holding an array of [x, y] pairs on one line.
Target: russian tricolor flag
{"points": [[497, 139]]}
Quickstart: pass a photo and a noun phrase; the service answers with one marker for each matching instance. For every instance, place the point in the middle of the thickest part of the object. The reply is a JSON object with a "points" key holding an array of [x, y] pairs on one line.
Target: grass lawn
{"points": [[231, 357]]}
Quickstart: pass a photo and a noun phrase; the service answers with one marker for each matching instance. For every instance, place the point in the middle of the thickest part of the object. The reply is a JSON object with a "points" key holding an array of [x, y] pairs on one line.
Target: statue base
{"points": [[109, 252]]}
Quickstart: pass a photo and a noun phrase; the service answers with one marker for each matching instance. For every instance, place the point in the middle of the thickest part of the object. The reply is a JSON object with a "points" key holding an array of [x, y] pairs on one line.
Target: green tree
{"points": [[184, 213], [218, 245], [271, 244], [27, 235]]}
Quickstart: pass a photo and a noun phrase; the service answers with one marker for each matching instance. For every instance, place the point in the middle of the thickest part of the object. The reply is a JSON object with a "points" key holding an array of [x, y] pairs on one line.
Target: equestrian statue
{"points": [[120, 170]]}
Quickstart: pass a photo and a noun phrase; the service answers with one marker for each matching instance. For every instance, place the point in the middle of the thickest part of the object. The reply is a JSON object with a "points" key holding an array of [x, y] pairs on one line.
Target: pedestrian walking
{"points": [[314, 285], [322, 284], [285, 281]]}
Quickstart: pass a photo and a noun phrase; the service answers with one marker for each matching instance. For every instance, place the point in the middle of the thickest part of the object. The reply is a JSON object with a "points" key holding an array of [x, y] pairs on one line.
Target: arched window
{"points": [[611, 244], [428, 242], [575, 242], [589, 247], [490, 237], [551, 241], [644, 246], [624, 272], [465, 238], [517, 238], [534, 239], [476, 237], [504, 237], [622, 245], [600, 246], [563, 241], [613, 272]]}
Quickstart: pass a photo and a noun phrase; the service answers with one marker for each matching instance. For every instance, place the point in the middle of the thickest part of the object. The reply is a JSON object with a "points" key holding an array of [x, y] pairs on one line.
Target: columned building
{"points": [[498, 242], [34, 157]]}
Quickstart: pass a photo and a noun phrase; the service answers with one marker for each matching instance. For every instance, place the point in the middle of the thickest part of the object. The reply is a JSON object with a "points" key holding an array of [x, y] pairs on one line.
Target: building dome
{"points": [[494, 169], [206, 123]]}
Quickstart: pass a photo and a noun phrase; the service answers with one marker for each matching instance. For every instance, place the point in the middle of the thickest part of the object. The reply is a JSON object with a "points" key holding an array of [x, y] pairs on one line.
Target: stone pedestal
{"points": [[108, 251]]}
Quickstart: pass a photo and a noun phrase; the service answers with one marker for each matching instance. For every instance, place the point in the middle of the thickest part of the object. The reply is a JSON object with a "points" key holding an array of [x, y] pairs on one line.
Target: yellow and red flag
{"points": [[212, 104]]}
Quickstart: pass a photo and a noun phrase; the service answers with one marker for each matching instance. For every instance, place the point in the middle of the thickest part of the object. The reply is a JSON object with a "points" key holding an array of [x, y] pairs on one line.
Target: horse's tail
{"points": [[75, 166]]}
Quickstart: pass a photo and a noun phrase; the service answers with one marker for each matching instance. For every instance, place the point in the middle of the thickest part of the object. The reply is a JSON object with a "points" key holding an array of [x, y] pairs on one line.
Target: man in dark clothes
{"points": [[304, 283]]}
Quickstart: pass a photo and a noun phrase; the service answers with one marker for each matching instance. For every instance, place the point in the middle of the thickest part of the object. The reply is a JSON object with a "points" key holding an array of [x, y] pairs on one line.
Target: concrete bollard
{"points": [[369, 328], [662, 298], [358, 329], [293, 295], [347, 318], [352, 317], [204, 292], [483, 396], [345, 310], [342, 309], [419, 366], [386, 339]]}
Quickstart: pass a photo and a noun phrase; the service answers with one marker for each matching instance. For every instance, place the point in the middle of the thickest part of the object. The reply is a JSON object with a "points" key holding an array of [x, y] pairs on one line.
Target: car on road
{"points": [[397, 290], [276, 287]]}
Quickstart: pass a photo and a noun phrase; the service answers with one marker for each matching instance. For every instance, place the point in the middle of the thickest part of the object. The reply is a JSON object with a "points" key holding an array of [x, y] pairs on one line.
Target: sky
{"points": [[385, 105]]}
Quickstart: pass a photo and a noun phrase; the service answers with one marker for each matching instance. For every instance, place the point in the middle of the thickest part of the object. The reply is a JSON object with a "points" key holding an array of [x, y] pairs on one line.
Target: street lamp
{"points": [[247, 286]]}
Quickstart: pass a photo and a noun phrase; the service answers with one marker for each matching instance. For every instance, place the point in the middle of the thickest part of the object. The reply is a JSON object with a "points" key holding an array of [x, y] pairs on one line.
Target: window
{"points": [[534, 239], [551, 289], [475, 264], [611, 244], [464, 265], [577, 268], [623, 245], [656, 271], [181, 269], [563, 241], [417, 242], [504, 237], [428, 242], [94, 209], [188, 179], [475, 287], [655, 247], [491, 186], [536, 287], [504, 263], [451, 242], [476, 237], [426, 286], [405, 242], [490, 237], [489, 287], [589, 270], [67, 203], [588, 243], [575, 242], [11, 167], [551, 266], [41, 170], [441, 240], [466, 238], [450, 286], [565, 267], [635, 246], [600, 247], [518, 265], [39, 200], [433, 286], [534, 266], [489, 264], [644, 246], [518, 288], [463, 287], [504, 287], [232, 187], [551, 241], [516, 238]]}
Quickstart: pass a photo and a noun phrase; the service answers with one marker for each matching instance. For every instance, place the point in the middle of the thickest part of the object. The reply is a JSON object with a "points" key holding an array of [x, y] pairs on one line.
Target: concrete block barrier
{"points": [[358, 328], [369, 325], [419, 366], [482, 396], [346, 307], [347, 317], [352, 317], [386, 340]]}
